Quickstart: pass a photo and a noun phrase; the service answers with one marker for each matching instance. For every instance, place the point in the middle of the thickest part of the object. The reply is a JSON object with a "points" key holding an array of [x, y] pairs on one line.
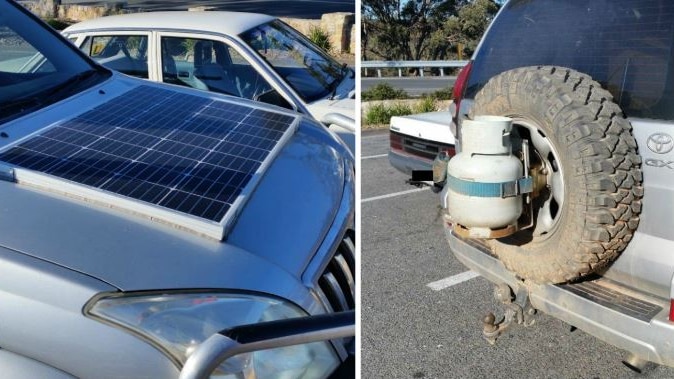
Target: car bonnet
{"points": [[267, 247]]}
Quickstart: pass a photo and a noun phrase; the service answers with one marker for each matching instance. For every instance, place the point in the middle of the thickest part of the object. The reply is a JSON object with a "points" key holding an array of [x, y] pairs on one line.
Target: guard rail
{"points": [[411, 64]]}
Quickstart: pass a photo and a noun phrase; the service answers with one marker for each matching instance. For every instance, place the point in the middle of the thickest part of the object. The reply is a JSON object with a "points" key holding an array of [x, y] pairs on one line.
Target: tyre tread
{"points": [[607, 164]]}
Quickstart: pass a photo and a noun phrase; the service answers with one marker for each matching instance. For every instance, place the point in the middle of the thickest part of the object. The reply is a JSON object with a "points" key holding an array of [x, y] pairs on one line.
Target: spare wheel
{"points": [[582, 148]]}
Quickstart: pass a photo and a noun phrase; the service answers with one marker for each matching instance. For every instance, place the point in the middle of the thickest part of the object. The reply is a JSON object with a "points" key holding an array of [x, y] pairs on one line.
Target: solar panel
{"points": [[173, 151]]}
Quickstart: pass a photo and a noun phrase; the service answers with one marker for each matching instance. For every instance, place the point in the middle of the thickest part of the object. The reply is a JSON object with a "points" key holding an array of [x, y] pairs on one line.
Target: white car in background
{"points": [[416, 140], [248, 55]]}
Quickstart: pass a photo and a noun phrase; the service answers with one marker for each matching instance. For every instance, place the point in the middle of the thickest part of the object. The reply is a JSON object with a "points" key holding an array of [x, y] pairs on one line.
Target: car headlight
{"points": [[177, 323]]}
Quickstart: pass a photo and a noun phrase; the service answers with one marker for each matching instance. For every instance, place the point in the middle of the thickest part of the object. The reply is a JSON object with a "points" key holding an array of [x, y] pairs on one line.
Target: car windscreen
{"points": [[626, 45], [37, 66], [303, 65]]}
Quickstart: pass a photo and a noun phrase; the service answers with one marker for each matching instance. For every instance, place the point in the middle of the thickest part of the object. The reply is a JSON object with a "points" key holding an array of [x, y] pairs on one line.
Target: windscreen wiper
{"points": [[65, 87], [18, 106]]}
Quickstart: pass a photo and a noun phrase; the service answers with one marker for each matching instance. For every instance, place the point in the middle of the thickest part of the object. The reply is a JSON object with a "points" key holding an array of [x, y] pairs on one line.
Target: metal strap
{"points": [[479, 189]]}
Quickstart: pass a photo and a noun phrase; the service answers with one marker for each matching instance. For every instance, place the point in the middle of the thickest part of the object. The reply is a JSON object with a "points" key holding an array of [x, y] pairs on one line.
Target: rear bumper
{"points": [[651, 339], [406, 163], [415, 153]]}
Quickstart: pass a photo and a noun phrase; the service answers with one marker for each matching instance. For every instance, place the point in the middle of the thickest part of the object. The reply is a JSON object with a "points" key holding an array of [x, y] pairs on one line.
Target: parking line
{"points": [[452, 280], [374, 156], [393, 195]]}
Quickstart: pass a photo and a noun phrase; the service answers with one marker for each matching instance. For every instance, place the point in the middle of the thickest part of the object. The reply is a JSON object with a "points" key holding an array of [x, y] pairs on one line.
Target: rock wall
{"points": [[339, 26], [83, 12], [46, 9]]}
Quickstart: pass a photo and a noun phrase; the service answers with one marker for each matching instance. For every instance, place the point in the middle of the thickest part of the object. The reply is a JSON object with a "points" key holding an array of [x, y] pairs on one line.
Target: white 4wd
{"points": [[592, 109]]}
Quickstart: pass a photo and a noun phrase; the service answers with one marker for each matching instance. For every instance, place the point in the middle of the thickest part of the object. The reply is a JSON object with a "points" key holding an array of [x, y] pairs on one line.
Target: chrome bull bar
{"points": [[267, 335]]}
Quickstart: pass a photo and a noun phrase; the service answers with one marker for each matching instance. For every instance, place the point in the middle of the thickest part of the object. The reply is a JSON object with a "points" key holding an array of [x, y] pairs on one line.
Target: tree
{"points": [[465, 29], [423, 29], [399, 29]]}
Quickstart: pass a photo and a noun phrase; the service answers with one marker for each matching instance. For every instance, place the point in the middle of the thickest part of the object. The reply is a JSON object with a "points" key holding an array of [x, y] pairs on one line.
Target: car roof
{"points": [[230, 23]]}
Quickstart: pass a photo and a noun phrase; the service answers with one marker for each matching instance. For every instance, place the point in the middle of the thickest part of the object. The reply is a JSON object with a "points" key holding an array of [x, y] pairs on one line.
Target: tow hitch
{"points": [[518, 310]]}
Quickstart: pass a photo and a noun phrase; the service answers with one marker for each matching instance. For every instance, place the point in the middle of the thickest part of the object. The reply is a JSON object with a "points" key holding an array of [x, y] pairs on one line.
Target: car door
{"points": [[214, 64], [125, 51]]}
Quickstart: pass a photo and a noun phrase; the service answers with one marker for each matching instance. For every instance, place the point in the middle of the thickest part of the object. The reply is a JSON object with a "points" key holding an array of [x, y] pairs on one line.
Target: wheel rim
{"points": [[548, 206]]}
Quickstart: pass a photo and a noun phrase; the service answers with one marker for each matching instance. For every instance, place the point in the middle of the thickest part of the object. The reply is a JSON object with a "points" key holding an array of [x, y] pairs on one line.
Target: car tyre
{"points": [[589, 207]]}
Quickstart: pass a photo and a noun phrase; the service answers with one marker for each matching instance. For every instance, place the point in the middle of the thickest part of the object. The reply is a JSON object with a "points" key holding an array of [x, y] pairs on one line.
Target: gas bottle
{"points": [[481, 178]]}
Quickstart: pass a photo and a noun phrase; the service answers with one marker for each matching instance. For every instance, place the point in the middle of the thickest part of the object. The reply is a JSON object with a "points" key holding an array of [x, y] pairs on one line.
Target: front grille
{"points": [[337, 281], [423, 148]]}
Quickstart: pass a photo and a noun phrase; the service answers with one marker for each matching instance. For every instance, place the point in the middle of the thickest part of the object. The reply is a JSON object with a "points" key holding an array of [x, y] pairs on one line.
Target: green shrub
{"points": [[442, 94], [381, 114], [427, 104], [376, 114], [399, 109], [320, 38], [383, 91], [57, 24]]}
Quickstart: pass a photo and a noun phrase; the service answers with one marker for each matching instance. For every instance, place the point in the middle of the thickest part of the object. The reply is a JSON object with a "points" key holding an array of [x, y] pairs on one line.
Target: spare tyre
{"points": [[584, 155]]}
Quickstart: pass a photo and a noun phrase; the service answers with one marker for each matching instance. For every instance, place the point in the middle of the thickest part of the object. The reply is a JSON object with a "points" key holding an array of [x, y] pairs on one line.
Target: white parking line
{"points": [[374, 156], [452, 280], [393, 195]]}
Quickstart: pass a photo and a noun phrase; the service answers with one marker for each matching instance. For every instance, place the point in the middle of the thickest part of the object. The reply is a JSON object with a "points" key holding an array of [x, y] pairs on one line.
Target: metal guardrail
{"points": [[414, 64]]}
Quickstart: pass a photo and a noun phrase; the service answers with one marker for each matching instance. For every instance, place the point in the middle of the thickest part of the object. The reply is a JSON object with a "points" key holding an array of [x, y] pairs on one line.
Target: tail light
{"points": [[449, 150], [671, 310], [396, 141], [460, 87]]}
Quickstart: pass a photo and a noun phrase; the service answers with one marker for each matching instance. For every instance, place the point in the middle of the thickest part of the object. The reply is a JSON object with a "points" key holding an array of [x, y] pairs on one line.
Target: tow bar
{"points": [[518, 310]]}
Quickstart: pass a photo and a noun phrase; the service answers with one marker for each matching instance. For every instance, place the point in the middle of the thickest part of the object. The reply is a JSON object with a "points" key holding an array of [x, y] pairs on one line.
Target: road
{"points": [[412, 331], [414, 86]]}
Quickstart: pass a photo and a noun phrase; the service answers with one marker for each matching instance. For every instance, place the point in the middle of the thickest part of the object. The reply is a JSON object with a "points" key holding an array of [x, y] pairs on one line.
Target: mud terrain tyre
{"points": [[589, 208]]}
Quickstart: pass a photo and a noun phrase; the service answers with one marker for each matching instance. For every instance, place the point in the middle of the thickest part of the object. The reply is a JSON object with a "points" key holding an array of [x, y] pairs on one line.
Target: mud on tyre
{"points": [[584, 148]]}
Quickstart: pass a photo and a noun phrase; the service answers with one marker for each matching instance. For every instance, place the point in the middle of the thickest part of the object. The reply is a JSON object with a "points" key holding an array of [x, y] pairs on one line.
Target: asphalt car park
{"points": [[422, 309]]}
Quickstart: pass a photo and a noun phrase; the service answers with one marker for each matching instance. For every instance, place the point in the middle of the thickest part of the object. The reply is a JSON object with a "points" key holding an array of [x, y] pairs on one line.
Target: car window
{"points": [[626, 45], [307, 69], [37, 66], [210, 65], [127, 54]]}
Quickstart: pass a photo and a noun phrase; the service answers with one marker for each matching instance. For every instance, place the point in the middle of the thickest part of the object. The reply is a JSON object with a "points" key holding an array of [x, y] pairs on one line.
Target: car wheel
{"points": [[583, 151]]}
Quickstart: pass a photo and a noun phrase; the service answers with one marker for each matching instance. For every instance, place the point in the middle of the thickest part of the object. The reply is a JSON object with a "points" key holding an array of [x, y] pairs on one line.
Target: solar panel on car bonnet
{"points": [[175, 157]]}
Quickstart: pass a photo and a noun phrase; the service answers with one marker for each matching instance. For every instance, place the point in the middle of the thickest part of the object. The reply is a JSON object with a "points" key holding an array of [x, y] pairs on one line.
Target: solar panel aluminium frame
{"points": [[174, 218]]}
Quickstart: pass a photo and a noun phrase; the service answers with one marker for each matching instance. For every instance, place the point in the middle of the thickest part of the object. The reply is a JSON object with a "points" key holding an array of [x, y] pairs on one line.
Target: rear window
{"points": [[626, 45]]}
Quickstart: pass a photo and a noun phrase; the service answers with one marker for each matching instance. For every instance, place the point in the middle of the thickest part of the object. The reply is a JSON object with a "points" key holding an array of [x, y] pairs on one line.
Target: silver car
{"points": [[148, 229]]}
